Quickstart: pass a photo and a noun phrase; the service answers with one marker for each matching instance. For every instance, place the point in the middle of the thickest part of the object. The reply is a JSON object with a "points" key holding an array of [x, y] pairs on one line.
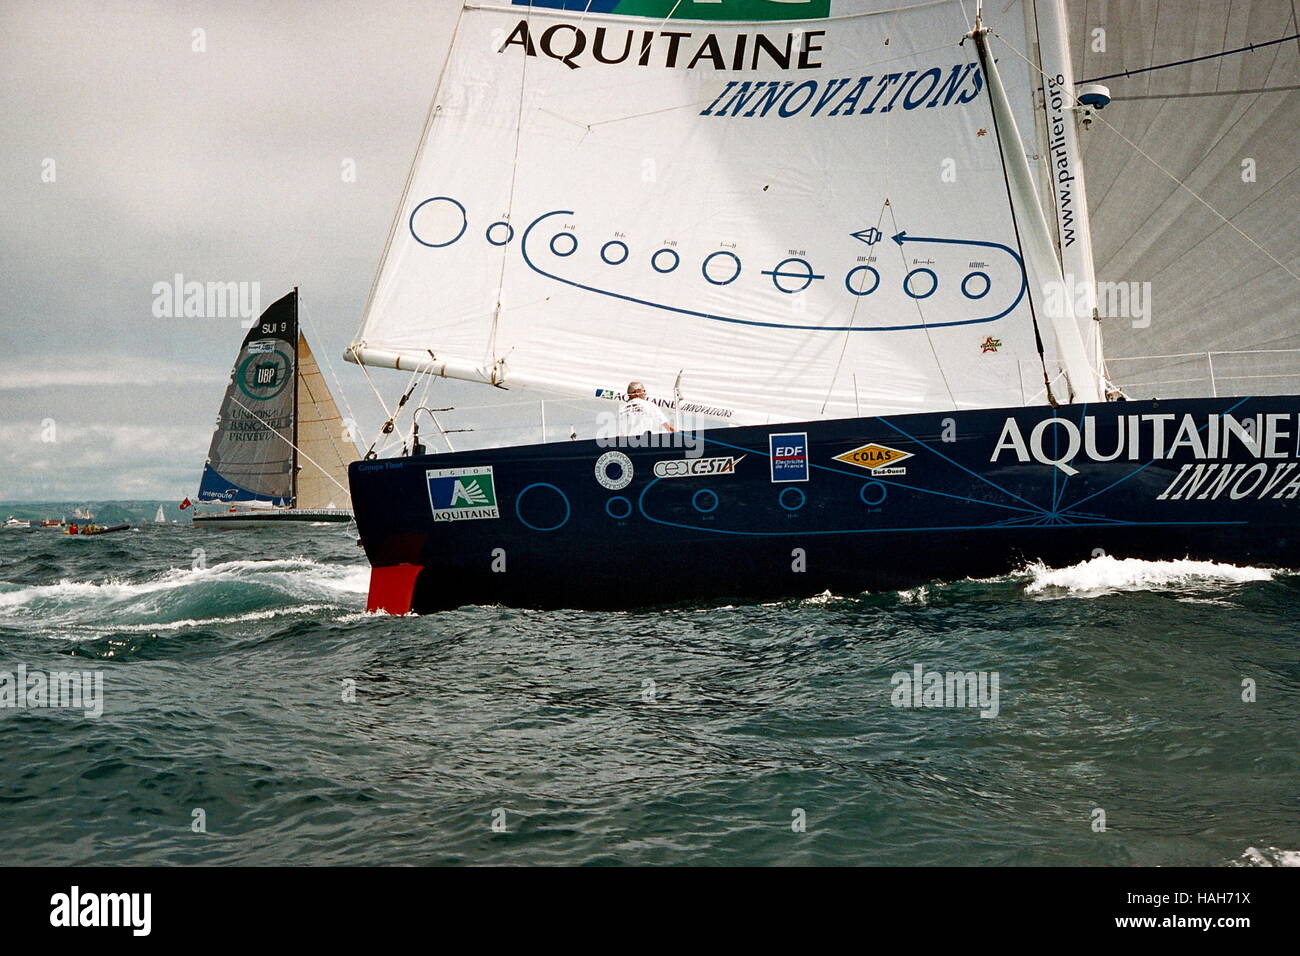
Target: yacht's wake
{"points": [[1105, 574]]}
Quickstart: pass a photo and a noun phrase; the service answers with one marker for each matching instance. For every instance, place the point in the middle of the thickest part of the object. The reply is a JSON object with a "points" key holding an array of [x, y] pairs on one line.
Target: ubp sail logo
{"points": [[264, 373], [462, 494]]}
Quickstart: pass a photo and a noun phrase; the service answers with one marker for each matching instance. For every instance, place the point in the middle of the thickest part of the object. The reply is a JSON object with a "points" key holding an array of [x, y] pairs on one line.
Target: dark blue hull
{"points": [[846, 506]]}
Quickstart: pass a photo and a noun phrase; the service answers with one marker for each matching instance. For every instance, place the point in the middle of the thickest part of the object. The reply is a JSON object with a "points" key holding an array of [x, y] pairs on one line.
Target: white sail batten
{"points": [[801, 219], [1041, 263]]}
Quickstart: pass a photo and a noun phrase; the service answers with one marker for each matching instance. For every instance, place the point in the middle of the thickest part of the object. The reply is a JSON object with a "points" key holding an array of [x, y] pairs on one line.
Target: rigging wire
{"points": [[1250, 47], [287, 442], [847, 332], [902, 256]]}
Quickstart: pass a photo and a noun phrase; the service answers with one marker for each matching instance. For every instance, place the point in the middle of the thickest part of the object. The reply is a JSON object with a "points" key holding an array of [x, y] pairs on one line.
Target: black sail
{"points": [[251, 457]]}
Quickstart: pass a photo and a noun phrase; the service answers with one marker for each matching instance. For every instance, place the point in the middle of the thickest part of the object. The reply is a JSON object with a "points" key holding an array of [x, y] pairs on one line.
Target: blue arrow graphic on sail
{"points": [[900, 238], [870, 235]]}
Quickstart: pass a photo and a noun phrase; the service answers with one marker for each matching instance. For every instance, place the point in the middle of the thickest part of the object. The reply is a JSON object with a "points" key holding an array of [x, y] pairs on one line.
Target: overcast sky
{"points": [[210, 138], [221, 165]]}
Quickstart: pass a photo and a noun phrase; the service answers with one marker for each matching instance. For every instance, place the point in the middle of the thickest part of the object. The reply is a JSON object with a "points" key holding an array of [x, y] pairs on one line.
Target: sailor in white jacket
{"points": [[640, 415]]}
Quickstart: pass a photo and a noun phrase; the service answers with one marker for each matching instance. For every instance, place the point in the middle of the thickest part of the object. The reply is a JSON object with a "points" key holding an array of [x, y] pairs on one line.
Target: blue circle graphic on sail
{"points": [[446, 209], [848, 280], [794, 269], [988, 284], [622, 503], [571, 245], [543, 485], [675, 260], [907, 283], [665, 260], [493, 233], [796, 501], [613, 247], [735, 270]]}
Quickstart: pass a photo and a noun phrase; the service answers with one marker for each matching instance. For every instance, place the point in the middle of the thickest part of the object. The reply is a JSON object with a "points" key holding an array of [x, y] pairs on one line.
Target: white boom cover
{"points": [[802, 218]]}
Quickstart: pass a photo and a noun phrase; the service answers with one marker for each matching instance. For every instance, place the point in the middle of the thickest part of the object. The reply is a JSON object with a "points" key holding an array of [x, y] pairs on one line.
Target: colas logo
{"points": [[877, 459]]}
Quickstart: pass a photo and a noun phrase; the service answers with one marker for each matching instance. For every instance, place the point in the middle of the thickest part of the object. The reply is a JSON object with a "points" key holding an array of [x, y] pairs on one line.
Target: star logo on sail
{"points": [[877, 459], [462, 494], [990, 344]]}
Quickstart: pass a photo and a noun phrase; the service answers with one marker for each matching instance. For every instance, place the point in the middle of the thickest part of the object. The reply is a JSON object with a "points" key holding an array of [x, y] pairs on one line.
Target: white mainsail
{"points": [[795, 219]]}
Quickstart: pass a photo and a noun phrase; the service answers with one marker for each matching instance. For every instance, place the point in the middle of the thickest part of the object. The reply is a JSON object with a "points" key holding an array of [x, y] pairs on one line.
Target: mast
{"points": [[1065, 167], [297, 347], [1041, 263]]}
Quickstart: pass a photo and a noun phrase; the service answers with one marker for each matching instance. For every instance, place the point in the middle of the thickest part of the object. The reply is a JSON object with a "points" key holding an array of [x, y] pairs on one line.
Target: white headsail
{"points": [[800, 218], [324, 446]]}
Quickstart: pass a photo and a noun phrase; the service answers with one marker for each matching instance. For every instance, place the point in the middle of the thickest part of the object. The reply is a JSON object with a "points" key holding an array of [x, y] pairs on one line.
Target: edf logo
{"points": [[788, 454]]}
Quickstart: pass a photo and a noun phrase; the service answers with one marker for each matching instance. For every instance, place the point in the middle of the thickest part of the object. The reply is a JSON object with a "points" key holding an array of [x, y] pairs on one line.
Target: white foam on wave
{"points": [[300, 577], [231, 619], [919, 595], [1269, 856], [1105, 573]]}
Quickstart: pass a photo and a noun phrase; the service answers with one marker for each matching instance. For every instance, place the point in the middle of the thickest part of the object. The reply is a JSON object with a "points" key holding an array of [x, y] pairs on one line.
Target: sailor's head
{"points": [[635, 390]]}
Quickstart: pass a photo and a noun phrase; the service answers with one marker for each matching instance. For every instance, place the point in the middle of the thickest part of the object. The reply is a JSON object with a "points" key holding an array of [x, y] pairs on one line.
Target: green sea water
{"points": [[1146, 714]]}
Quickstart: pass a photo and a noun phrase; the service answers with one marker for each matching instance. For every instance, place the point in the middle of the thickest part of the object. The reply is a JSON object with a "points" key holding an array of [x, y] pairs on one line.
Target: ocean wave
{"points": [[230, 591], [1104, 574]]}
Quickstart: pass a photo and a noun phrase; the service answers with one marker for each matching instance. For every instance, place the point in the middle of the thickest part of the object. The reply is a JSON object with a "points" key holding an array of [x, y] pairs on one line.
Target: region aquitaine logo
{"points": [[462, 494]]}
